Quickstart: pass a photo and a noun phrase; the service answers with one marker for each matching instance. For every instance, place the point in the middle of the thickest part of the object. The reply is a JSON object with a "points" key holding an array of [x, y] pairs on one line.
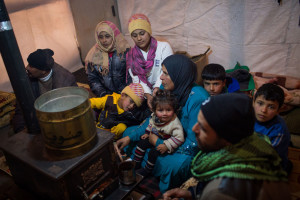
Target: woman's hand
{"points": [[162, 148], [123, 142], [153, 138], [176, 194], [154, 91], [149, 100]]}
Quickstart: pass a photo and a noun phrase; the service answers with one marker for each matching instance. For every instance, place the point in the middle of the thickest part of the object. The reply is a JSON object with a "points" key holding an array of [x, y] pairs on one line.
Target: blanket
{"points": [[7, 107]]}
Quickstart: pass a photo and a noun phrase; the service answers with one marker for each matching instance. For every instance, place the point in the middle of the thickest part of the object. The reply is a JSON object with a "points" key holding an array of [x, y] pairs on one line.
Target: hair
{"points": [[271, 92], [213, 72], [165, 97]]}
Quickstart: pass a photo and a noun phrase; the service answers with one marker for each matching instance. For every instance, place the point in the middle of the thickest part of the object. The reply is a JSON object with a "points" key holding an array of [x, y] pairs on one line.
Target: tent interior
{"points": [[261, 34]]}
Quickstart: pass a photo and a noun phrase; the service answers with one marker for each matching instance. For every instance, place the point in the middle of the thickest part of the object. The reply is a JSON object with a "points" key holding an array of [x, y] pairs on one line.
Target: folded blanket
{"points": [[287, 82], [7, 107]]}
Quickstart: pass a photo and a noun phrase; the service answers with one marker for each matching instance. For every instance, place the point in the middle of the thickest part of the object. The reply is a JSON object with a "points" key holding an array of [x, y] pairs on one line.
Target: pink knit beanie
{"points": [[136, 92]]}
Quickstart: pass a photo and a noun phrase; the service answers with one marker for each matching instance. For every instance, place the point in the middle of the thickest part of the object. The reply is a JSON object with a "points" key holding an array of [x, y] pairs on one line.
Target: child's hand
{"points": [[144, 136], [118, 130], [162, 148], [153, 138]]}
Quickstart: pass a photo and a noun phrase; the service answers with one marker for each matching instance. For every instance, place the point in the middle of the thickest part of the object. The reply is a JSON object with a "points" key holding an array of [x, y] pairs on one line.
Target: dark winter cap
{"points": [[41, 59], [243, 76], [231, 115]]}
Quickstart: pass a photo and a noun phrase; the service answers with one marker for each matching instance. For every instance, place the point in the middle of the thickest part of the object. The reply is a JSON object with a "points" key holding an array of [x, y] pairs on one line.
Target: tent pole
{"points": [[16, 70]]}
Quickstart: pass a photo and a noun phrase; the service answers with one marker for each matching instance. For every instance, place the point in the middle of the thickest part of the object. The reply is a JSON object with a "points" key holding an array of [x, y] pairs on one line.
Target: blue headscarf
{"points": [[183, 73]]}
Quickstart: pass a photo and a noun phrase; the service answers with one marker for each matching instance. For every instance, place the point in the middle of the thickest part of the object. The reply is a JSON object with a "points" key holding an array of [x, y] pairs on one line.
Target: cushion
{"points": [[7, 107]]}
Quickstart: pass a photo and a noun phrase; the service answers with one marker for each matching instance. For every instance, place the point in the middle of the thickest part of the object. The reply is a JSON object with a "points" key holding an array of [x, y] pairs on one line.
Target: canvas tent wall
{"points": [[65, 26], [260, 34]]}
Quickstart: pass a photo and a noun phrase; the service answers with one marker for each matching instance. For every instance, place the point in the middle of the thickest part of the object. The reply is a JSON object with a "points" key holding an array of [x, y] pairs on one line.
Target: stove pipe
{"points": [[16, 70]]}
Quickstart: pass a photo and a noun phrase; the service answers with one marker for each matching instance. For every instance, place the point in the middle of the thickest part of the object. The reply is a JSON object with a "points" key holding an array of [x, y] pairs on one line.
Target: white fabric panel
{"points": [[258, 33], [267, 58], [42, 24], [265, 22], [293, 31], [168, 14], [293, 60]]}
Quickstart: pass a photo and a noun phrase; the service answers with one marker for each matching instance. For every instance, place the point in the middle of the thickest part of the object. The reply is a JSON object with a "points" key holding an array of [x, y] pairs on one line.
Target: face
{"points": [[265, 110], [105, 39], [126, 103], [213, 87], [166, 80], [34, 72], [164, 112], [206, 136], [141, 39]]}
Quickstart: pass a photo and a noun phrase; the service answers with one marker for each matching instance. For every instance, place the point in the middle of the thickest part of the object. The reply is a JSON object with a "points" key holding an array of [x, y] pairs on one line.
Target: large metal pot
{"points": [[66, 121]]}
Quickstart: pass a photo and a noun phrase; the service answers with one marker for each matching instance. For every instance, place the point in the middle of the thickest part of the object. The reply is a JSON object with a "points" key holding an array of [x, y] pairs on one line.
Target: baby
{"points": [[164, 124]]}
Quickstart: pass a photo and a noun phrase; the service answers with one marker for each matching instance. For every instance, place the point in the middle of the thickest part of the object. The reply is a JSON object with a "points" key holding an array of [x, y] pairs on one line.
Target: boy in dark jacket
{"points": [[215, 81]]}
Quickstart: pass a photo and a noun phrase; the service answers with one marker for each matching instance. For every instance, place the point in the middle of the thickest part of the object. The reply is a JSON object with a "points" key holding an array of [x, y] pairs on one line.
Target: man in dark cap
{"points": [[45, 75], [234, 162]]}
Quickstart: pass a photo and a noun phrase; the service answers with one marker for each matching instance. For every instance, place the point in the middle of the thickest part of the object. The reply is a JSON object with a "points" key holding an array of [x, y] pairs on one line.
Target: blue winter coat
{"points": [[279, 135]]}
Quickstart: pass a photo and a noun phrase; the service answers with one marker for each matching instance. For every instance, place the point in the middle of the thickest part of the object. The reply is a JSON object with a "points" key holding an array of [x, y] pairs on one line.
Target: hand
{"points": [[144, 136], [162, 148], [118, 130], [149, 100], [153, 138], [154, 91], [123, 142], [177, 193]]}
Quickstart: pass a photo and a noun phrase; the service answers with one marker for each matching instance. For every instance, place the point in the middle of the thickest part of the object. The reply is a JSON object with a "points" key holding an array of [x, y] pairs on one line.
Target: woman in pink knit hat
{"points": [[145, 58]]}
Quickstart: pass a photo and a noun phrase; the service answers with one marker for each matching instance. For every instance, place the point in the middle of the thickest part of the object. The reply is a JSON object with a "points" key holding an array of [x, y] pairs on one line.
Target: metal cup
{"points": [[127, 175]]}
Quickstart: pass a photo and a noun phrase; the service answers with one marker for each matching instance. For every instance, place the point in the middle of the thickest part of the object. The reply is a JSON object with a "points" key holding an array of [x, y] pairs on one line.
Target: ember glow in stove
{"points": [[71, 159]]}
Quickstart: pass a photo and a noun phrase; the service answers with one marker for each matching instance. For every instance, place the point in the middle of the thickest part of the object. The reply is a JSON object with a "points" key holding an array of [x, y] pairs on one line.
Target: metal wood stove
{"points": [[93, 175]]}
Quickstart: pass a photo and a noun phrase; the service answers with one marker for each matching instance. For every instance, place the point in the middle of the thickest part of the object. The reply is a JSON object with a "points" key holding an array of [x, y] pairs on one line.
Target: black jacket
{"points": [[115, 81]]}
